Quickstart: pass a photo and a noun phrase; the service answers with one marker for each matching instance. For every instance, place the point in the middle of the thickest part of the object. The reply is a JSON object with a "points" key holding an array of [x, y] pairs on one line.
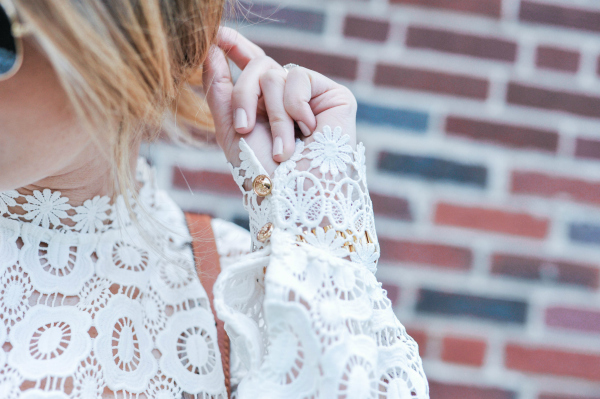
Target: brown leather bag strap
{"points": [[208, 268]]}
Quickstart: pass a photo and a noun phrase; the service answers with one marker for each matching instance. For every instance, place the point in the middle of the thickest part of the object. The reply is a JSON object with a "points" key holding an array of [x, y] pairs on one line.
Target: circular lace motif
{"points": [[123, 346], [124, 261], [9, 232], [155, 318], [94, 295], [163, 387], [176, 280], [15, 290], [87, 380], [396, 383], [10, 382], [38, 394], [55, 261], [190, 352], [3, 337], [50, 341]]}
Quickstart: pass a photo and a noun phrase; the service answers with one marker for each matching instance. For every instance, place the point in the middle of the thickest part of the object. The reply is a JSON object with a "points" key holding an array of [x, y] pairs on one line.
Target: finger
{"points": [[331, 103], [237, 47], [217, 81], [296, 100], [272, 83], [247, 91]]}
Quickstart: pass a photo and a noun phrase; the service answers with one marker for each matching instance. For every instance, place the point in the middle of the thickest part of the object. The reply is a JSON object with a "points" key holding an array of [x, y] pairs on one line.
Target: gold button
{"points": [[262, 185], [264, 233]]}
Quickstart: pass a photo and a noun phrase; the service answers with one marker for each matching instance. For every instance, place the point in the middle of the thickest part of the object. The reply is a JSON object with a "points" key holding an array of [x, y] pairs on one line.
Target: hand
{"points": [[265, 101]]}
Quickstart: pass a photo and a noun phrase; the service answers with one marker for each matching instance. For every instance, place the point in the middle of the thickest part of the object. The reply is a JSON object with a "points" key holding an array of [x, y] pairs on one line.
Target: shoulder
{"points": [[231, 239]]}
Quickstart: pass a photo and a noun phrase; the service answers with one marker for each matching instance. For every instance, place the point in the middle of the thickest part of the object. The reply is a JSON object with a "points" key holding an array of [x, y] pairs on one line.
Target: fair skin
{"points": [[43, 146]]}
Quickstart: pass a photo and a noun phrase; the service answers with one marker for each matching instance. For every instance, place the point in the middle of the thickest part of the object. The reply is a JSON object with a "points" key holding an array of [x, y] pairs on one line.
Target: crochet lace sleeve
{"points": [[305, 314]]}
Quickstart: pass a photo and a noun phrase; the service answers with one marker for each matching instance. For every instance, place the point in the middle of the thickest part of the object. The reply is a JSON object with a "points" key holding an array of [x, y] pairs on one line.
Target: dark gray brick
{"points": [[452, 304], [430, 168], [416, 121]]}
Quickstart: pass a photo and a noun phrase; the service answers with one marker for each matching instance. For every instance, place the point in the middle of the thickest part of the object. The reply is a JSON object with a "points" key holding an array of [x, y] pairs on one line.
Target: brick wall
{"points": [[481, 120]]}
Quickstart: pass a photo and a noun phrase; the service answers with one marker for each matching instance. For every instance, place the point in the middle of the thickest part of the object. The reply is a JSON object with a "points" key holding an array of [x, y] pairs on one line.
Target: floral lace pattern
{"points": [[89, 309], [312, 321], [49, 209]]}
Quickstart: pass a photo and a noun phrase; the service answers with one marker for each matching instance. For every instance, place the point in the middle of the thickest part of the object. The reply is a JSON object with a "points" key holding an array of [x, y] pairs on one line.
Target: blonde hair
{"points": [[128, 66]]}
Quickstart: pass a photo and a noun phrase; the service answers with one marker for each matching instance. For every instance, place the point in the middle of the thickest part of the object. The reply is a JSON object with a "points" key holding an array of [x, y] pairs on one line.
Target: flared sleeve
{"points": [[304, 311]]}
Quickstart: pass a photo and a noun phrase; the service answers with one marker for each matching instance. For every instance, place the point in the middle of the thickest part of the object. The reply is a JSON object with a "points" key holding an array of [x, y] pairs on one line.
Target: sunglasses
{"points": [[11, 43]]}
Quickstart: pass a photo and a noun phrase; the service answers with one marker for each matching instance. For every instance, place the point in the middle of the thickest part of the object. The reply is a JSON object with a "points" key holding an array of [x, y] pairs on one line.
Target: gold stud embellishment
{"points": [[262, 185], [265, 232]]}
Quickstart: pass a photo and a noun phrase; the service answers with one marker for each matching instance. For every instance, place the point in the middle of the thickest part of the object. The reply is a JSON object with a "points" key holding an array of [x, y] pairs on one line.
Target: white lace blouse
{"points": [[91, 307]]}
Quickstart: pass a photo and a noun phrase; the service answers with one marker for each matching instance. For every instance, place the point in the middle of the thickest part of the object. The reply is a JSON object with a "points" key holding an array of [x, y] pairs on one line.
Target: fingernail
{"points": [[241, 119], [303, 128], [277, 146]]}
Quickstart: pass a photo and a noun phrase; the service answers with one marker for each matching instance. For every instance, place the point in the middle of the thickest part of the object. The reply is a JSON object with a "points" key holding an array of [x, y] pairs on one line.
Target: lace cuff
{"points": [[319, 195]]}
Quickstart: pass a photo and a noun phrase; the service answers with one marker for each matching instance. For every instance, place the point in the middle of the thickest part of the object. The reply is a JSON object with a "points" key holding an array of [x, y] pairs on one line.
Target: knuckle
{"points": [[348, 97], [277, 119], [293, 105], [271, 76]]}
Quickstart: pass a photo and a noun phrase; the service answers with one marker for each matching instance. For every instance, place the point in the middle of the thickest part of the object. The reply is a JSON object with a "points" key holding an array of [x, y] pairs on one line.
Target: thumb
{"points": [[218, 87]]}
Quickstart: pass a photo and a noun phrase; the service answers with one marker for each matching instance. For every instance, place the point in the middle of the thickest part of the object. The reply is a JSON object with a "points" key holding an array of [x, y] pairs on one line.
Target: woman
{"points": [[98, 293]]}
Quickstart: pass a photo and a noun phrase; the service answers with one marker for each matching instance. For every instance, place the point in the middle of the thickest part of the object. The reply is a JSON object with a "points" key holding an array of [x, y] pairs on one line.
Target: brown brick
{"points": [[554, 361], [445, 390], [420, 337], [567, 17], [205, 180], [432, 81], [574, 319], [553, 396], [492, 220], [543, 269], [328, 64], [488, 8], [425, 253], [460, 350], [394, 207], [549, 57], [393, 292], [461, 43], [502, 134], [549, 186], [587, 148], [554, 100], [366, 28]]}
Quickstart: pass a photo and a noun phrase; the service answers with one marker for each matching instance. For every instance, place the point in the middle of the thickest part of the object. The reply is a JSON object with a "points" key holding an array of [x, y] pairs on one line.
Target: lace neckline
{"points": [[50, 210]]}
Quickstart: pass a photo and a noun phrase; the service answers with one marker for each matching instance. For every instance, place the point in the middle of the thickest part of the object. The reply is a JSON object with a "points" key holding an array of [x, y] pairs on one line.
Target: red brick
{"points": [[393, 292], [488, 8], [554, 361], [567, 17], [420, 337], [461, 43], [430, 254], [327, 64], [553, 396], [553, 100], [587, 148], [366, 28], [204, 180], [394, 207], [532, 268], [544, 185], [573, 319], [432, 81], [550, 57], [441, 390], [493, 220], [467, 351], [503, 134]]}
